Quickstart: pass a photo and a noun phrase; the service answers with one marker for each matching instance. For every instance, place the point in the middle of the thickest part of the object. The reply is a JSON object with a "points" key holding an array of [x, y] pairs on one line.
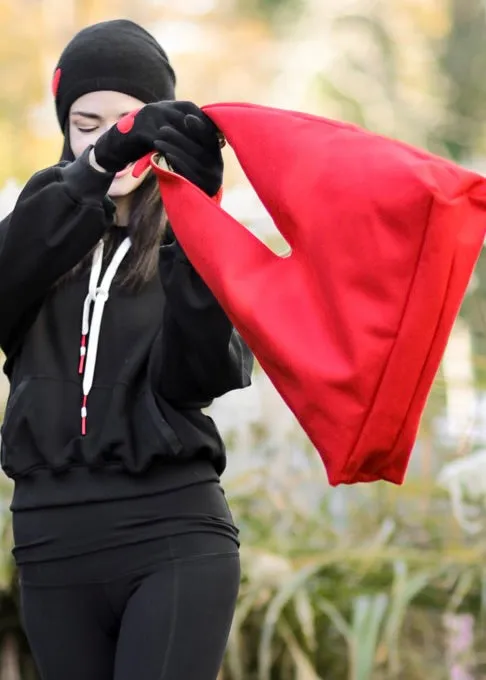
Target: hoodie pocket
{"points": [[129, 429], [41, 418], [9, 418], [166, 434], [42, 428]]}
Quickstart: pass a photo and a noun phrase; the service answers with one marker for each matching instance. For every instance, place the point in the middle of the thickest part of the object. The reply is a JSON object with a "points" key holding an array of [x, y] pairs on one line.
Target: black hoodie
{"points": [[164, 353]]}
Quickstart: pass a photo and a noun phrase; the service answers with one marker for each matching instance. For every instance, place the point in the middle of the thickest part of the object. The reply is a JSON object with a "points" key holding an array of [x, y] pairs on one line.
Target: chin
{"points": [[125, 185], [122, 186]]}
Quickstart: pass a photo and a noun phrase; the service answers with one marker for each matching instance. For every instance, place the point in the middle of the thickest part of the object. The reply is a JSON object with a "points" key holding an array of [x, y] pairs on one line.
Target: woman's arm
{"points": [[203, 355], [59, 217]]}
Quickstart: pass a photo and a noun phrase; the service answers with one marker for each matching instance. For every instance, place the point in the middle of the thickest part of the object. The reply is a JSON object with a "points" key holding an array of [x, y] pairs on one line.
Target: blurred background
{"points": [[368, 582]]}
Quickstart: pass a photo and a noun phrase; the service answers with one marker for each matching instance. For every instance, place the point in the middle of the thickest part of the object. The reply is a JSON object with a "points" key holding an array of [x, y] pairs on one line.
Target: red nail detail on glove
{"points": [[218, 197], [141, 165], [352, 325], [126, 123], [55, 82]]}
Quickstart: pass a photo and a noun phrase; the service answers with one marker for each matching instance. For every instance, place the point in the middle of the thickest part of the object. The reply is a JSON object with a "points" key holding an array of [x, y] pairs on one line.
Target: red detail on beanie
{"points": [[126, 123], [55, 82]]}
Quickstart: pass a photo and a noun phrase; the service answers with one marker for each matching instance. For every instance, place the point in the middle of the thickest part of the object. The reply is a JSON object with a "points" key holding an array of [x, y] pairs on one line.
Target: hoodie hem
{"points": [[43, 488]]}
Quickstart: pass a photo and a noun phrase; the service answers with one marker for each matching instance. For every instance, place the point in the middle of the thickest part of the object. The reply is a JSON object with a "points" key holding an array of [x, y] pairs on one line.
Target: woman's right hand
{"points": [[134, 135]]}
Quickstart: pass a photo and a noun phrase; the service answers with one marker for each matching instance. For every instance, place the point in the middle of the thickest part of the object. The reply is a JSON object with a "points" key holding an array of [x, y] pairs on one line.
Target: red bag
{"points": [[351, 327]]}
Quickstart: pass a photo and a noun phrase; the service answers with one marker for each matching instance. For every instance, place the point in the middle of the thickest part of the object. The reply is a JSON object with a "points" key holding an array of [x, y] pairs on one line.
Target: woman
{"points": [[125, 546]]}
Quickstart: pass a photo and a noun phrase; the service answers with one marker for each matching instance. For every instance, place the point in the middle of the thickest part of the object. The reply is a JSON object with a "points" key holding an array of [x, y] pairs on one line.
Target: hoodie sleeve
{"points": [[60, 215], [203, 355]]}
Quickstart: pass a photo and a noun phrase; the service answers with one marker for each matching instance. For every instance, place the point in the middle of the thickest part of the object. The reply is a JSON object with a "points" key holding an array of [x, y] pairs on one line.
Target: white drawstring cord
{"points": [[98, 296]]}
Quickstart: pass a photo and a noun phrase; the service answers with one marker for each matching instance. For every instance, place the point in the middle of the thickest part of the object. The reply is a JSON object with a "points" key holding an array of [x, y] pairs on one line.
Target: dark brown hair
{"points": [[146, 228]]}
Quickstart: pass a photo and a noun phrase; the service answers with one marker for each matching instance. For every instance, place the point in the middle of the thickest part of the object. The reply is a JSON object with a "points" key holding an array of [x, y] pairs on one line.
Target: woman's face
{"points": [[93, 114]]}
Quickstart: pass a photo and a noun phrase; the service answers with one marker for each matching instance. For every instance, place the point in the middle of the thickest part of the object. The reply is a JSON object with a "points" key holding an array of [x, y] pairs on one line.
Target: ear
{"points": [[351, 327]]}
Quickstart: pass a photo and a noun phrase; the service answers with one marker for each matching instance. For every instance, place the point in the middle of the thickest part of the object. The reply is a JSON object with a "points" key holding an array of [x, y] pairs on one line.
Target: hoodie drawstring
{"points": [[97, 295]]}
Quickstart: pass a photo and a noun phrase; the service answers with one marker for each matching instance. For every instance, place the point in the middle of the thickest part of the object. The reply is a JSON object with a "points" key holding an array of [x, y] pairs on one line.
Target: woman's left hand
{"points": [[191, 146]]}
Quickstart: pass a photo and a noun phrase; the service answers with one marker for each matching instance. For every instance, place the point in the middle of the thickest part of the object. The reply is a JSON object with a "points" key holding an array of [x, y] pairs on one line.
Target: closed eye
{"points": [[91, 129]]}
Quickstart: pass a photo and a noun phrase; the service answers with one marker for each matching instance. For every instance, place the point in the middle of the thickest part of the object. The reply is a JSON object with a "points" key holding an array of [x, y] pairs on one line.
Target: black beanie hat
{"points": [[112, 55]]}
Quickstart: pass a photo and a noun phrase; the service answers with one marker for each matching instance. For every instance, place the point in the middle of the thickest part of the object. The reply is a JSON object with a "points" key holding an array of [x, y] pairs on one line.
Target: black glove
{"points": [[192, 148], [134, 135], [180, 131]]}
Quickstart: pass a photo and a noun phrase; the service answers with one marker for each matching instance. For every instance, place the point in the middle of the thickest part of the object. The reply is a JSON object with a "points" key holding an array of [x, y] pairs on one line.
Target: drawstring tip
{"points": [[84, 415], [82, 354]]}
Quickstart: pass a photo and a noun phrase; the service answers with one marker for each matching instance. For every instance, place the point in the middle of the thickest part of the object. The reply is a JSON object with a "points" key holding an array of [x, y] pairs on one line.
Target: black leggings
{"points": [[168, 620]]}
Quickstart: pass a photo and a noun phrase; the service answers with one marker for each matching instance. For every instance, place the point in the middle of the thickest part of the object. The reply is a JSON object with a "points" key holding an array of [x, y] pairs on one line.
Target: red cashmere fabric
{"points": [[352, 326]]}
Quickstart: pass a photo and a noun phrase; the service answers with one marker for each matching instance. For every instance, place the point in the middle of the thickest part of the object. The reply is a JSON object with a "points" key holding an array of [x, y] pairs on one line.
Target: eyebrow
{"points": [[93, 116], [84, 114]]}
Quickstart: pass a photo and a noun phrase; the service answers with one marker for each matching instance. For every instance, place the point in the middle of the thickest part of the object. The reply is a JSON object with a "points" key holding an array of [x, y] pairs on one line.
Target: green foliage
{"points": [[463, 61], [361, 601], [401, 76]]}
